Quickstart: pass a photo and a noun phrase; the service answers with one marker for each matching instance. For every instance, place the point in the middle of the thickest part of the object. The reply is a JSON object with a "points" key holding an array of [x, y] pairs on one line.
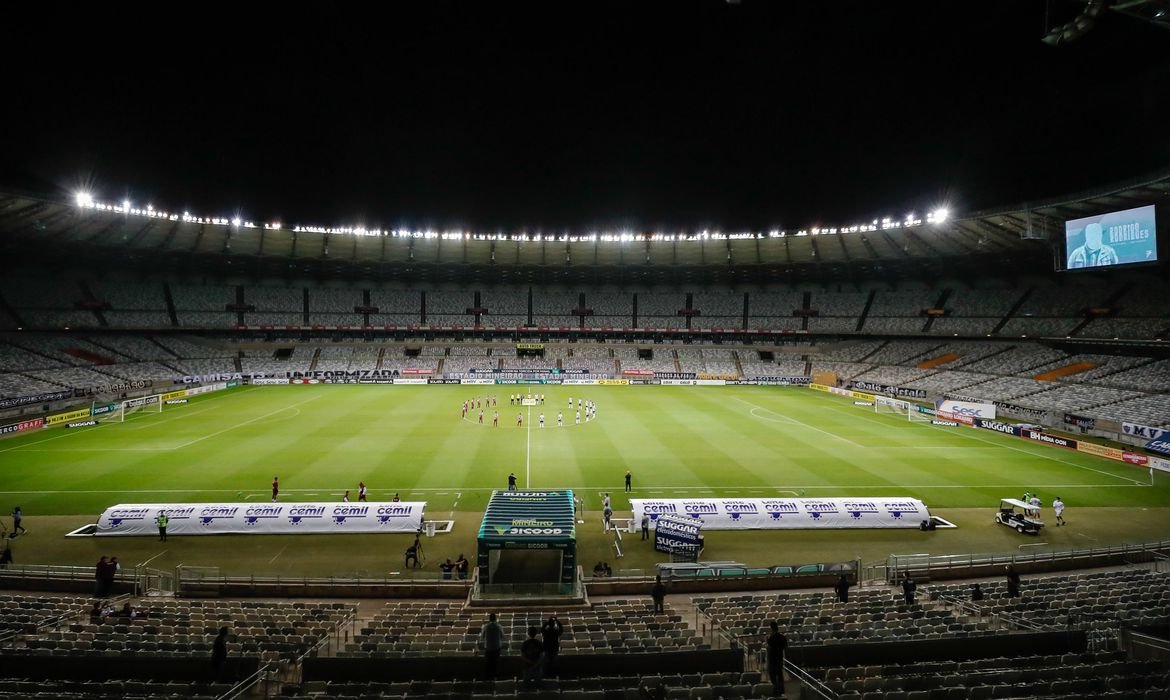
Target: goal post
{"points": [[884, 404], [142, 404]]}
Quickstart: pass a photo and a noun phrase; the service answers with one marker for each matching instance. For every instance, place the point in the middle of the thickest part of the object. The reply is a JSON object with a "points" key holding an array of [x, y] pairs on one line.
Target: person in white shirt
{"points": [[542, 420], [560, 419], [1058, 508]]}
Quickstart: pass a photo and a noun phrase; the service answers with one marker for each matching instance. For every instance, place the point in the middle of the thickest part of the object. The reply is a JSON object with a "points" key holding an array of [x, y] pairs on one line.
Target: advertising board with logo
{"points": [[1142, 431], [997, 426], [1049, 439], [262, 518], [676, 534], [786, 513], [955, 410]]}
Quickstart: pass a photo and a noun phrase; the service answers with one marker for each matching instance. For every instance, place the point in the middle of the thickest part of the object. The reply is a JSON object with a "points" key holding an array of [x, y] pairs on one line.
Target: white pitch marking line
{"points": [[154, 557], [1008, 447], [796, 422], [188, 414], [278, 554], [247, 422]]}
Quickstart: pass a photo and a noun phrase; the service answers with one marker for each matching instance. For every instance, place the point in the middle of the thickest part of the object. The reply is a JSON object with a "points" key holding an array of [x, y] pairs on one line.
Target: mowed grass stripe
{"points": [[676, 440]]}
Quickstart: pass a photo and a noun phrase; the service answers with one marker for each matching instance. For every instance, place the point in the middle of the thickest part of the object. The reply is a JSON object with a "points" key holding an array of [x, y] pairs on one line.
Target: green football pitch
{"points": [[677, 442]]}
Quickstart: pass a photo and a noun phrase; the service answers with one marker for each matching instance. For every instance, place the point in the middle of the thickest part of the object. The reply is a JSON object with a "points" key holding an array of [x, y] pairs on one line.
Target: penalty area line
{"points": [[795, 422]]}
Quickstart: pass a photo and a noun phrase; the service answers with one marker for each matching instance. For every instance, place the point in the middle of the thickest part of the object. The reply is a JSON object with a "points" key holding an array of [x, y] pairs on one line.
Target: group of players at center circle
{"points": [[583, 406]]}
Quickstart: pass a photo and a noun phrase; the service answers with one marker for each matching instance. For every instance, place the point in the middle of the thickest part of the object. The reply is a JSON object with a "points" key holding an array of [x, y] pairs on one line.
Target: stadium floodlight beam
{"points": [[938, 216], [84, 199]]}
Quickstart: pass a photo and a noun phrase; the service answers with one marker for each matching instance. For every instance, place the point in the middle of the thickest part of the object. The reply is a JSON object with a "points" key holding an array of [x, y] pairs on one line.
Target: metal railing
{"points": [[244, 687], [809, 682], [923, 565]]}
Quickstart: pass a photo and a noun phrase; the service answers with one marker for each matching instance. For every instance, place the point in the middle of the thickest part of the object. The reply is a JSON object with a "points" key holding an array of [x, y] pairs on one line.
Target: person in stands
{"points": [[777, 643], [491, 640], [842, 589]]}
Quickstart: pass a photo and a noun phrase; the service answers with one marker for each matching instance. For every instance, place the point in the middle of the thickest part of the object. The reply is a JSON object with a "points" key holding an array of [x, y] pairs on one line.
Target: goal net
{"points": [[142, 404], [884, 404]]}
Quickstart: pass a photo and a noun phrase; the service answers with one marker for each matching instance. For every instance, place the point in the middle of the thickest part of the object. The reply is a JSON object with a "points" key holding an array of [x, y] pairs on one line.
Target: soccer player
{"points": [[578, 418], [275, 488], [578, 403], [361, 490], [496, 419], [519, 420], [345, 498], [464, 410], [1058, 508], [560, 419], [512, 481], [542, 421], [570, 403], [481, 416]]}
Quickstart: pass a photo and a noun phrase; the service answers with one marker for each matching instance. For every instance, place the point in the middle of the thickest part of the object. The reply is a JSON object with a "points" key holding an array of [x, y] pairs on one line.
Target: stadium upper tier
{"points": [[1134, 306], [138, 234]]}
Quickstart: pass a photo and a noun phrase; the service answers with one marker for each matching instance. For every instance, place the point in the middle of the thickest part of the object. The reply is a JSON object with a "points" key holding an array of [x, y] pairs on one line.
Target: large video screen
{"points": [[1116, 238]]}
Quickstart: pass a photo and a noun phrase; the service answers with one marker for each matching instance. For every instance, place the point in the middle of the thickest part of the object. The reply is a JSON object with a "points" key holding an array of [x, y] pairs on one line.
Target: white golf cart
{"points": [[1024, 517]]}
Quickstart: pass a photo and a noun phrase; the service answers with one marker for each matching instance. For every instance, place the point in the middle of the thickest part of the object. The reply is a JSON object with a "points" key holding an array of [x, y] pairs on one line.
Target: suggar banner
{"points": [[673, 533], [787, 513], [997, 426], [262, 518]]}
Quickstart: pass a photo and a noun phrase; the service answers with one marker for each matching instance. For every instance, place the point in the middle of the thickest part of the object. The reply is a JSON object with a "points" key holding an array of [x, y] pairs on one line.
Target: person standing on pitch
{"points": [[645, 527], [275, 488], [512, 481], [361, 491], [162, 521], [628, 487], [1058, 508]]}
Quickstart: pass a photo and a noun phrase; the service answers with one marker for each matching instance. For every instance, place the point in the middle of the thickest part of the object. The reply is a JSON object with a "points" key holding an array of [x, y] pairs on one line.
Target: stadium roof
{"points": [[124, 235]]}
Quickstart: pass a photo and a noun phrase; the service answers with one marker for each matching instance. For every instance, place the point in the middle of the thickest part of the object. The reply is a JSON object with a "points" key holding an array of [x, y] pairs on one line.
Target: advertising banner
{"points": [[678, 382], [1160, 464], [997, 426], [638, 372], [22, 426], [710, 382], [35, 398], [1143, 431], [1082, 422], [477, 381], [206, 388], [610, 382], [1135, 458], [891, 390], [262, 518], [433, 380], [1101, 450], [583, 382], [68, 416], [1162, 447], [967, 409], [182, 393], [268, 381], [676, 375], [673, 533], [787, 513], [782, 381], [115, 388], [103, 409], [1048, 439], [817, 387], [410, 380], [1012, 409]]}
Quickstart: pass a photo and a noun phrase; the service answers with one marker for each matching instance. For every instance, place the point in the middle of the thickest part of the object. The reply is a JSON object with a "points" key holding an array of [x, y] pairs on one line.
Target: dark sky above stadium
{"points": [[559, 115]]}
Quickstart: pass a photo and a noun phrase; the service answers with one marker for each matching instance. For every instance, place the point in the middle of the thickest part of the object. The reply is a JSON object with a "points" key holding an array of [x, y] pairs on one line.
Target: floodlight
{"points": [[940, 215], [126, 205], [84, 199]]}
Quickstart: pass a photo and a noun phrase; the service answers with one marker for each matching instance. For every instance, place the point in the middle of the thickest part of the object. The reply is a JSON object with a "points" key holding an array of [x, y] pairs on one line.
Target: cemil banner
{"points": [[787, 513], [262, 518]]}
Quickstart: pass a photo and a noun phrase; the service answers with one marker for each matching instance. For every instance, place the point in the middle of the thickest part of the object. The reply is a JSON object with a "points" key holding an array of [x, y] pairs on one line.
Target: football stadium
{"points": [[923, 455]]}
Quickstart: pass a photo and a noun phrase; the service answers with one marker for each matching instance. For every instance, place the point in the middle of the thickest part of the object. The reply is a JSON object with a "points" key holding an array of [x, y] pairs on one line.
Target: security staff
{"points": [[162, 526]]}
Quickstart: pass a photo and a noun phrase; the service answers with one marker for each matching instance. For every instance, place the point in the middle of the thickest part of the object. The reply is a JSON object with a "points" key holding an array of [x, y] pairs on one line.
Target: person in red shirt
{"points": [[275, 488]]}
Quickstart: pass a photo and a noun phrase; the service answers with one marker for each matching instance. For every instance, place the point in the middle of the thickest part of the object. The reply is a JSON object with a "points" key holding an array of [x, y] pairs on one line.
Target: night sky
{"points": [[561, 115]]}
